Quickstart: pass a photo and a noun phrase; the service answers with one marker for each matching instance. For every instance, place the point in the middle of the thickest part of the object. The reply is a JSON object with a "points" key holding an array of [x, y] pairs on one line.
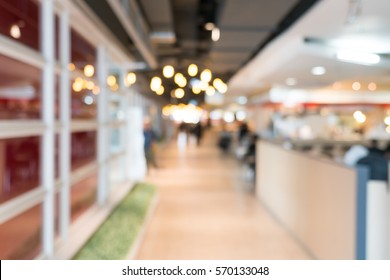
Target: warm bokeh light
{"points": [[192, 70], [89, 70], [356, 86], [131, 78], [206, 75], [210, 91], [90, 85], [111, 80], [180, 80], [359, 117], [15, 32], [215, 34], [387, 120], [168, 71], [155, 83], [179, 93], [160, 90], [96, 90], [372, 86], [71, 67], [196, 90]]}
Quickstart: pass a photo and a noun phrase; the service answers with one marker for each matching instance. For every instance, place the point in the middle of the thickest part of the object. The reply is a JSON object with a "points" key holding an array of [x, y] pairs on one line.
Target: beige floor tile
{"points": [[207, 210]]}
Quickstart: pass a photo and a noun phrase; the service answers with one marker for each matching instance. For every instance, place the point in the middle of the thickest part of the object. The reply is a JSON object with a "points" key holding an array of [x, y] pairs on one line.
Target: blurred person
{"points": [[243, 132], [354, 154], [149, 145], [224, 140], [197, 131], [376, 162]]}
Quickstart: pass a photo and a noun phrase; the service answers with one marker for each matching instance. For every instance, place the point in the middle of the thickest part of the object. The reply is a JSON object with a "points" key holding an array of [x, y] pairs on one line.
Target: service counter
{"points": [[324, 204]]}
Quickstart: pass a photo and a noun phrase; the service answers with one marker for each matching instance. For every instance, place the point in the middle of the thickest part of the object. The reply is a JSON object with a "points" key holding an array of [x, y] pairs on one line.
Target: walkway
{"points": [[207, 211]]}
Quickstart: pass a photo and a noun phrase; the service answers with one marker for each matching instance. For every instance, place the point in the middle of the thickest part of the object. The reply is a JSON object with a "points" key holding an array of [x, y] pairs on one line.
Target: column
{"points": [[47, 176]]}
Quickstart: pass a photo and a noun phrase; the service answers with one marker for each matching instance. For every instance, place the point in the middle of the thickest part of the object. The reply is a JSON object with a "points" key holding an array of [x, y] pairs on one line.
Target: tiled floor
{"points": [[207, 210]]}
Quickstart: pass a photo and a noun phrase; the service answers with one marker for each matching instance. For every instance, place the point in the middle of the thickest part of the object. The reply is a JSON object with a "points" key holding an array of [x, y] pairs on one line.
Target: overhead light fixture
{"points": [[358, 57], [155, 83], [168, 71], [160, 90], [209, 26], [192, 70], [215, 34], [210, 91], [131, 78], [179, 93], [206, 75], [318, 70], [291, 81], [196, 90]]}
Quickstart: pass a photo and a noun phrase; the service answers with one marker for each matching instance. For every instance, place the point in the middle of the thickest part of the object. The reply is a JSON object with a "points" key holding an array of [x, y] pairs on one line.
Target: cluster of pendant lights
{"points": [[204, 84]]}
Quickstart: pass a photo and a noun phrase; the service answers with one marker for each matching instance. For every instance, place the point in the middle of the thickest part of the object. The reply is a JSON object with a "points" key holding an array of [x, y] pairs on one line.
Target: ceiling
{"points": [[160, 32], [314, 40]]}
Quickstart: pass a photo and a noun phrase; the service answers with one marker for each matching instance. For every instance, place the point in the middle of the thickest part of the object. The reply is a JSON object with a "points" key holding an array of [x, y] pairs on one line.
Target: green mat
{"points": [[115, 236]]}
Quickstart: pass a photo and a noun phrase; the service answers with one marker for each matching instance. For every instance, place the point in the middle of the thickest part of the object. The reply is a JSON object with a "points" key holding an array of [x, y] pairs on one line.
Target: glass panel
{"points": [[83, 196], [83, 148], [82, 52], [20, 90], [83, 100], [20, 237], [19, 20], [116, 143], [19, 166], [116, 171]]}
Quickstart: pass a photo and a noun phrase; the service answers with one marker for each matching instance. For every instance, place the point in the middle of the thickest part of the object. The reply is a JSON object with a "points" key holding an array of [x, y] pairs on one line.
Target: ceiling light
{"points": [[192, 70], [372, 86], [210, 91], [223, 88], [179, 93], [356, 86], [155, 83], [160, 90], [215, 34], [206, 75], [318, 70], [168, 71], [291, 81], [89, 70], [209, 26], [196, 90], [358, 57], [15, 32], [131, 78], [180, 80]]}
